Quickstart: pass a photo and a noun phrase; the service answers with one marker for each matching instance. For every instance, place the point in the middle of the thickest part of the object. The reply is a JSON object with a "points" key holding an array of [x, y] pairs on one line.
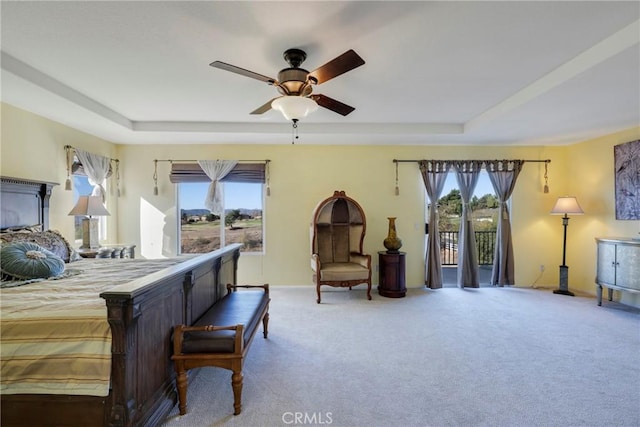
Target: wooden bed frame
{"points": [[141, 314]]}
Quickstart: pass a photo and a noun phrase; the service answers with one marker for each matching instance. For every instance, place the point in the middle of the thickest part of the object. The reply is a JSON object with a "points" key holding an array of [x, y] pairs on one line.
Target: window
{"points": [[484, 212], [201, 231], [484, 204], [81, 187], [83, 168], [242, 222]]}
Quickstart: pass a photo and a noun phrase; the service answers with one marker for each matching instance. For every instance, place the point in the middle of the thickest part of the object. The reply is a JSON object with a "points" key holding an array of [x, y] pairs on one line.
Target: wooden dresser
{"points": [[618, 266]]}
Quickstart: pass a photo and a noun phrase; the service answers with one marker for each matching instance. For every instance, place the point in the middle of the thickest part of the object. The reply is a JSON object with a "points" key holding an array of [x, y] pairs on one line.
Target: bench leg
{"points": [[181, 382], [265, 325], [236, 384]]}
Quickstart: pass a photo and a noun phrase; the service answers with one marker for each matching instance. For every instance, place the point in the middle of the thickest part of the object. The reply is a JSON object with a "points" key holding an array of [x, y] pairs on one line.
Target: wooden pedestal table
{"points": [[392, 274]]}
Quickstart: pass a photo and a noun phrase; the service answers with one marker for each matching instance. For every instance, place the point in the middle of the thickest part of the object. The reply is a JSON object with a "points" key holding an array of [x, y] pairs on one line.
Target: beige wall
{"points": [[32, 147], [302, 175], [590, 177]]}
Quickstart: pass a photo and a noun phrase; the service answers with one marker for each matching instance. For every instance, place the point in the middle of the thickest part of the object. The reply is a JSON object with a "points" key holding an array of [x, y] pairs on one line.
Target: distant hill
{"points": [[194, 212], [200, 212]]}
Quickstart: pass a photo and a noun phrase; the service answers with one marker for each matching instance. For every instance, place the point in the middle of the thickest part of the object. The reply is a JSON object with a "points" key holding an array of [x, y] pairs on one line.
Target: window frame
{"points": [[222, 218], [102, 220]]}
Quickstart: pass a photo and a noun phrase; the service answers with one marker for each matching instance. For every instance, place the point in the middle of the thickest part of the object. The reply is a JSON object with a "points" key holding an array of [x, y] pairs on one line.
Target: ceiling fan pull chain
{"points": [[294, 130]]}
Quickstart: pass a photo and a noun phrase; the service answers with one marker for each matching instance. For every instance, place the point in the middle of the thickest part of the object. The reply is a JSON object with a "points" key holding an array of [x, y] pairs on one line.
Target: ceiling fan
{"points": [[296, 84]]}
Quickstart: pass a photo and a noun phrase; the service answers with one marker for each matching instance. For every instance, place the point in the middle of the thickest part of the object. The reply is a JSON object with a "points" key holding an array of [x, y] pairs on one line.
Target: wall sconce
{"points": [[565, 205], [89, 206]]}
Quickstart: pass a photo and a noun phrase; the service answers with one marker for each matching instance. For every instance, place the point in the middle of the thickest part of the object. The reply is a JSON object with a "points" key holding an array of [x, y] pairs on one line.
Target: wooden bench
{"points": [[221, 338]]}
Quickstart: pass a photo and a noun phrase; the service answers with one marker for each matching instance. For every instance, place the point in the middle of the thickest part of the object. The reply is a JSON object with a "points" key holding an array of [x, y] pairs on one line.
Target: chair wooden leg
{"points": [[265, 325], [236, 384], [369, 290], [181, 382], [318, 292]]}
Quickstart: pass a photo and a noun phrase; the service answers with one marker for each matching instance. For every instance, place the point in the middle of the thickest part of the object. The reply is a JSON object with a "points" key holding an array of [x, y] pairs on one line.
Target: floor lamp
{"points": [[564, 206], [89, 207]]}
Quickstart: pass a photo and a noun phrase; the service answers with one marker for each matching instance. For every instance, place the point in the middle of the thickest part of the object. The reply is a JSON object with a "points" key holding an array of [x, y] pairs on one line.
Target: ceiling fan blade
{"points": [[242, 71], [340, 65], [264, 108], [332, 104]]}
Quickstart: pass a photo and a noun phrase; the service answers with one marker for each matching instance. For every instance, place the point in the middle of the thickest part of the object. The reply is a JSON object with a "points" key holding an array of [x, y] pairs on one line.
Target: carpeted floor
{"points": [[451, 357]]}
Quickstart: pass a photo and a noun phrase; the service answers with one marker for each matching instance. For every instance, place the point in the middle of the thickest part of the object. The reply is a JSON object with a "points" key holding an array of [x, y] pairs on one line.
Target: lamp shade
{"points": [[89, 206], [294, 107], [567, 205]]}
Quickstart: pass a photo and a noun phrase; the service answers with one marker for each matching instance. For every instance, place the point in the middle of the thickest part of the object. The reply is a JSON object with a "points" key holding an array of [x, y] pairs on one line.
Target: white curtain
{"points": [[216, 170], [434, 175], [96, 167], [467, 175]]}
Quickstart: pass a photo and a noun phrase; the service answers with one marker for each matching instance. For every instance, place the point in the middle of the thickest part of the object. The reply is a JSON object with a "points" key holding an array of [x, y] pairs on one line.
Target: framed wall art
{"points": [[627, 176]]}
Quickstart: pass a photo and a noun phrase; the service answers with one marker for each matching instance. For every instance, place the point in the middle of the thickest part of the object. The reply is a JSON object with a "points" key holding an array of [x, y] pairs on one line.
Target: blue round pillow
{"points": [[26, 260]]}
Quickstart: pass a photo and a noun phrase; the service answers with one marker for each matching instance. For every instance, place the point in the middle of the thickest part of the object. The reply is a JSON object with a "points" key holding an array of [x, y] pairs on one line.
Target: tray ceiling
{"points": [[492, 73]]}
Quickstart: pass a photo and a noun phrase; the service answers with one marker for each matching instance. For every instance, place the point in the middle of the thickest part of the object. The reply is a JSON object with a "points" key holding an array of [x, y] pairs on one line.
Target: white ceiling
{"points": [[496, 73]]}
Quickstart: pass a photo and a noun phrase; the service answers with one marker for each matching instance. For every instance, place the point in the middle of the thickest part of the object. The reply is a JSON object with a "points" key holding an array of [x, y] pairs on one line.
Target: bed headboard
{"points": [[24, 202]]}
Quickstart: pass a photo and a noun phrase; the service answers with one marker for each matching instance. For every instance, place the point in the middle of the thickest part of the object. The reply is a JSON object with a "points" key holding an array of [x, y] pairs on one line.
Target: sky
{"points": [[237, 195], [81, 187], [249, 196], [483, 187]]}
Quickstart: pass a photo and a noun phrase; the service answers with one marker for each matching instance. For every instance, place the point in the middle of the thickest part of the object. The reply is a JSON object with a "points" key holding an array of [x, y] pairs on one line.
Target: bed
{"points": [[132, 315]]}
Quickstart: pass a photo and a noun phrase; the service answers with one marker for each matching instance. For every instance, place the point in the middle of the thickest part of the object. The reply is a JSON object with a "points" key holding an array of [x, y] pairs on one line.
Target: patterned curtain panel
{"points": [[503, 175], [434, 175]]}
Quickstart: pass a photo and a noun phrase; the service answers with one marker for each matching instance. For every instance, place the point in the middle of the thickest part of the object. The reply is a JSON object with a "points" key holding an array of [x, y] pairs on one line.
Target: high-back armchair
{"points": [[338, 226]]}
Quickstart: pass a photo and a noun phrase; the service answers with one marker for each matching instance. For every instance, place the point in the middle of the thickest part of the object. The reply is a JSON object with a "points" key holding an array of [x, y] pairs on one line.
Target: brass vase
{"points": [[392, 242]]}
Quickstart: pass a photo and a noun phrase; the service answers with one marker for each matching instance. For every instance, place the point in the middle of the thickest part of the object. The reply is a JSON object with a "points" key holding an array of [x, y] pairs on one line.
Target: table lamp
{"points": [[89, 207]]}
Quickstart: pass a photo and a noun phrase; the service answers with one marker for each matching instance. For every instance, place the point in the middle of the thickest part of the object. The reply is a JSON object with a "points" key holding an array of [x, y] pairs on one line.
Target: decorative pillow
{"points": [[74, 255], [51, 240], [26, 260], [23, 229]]}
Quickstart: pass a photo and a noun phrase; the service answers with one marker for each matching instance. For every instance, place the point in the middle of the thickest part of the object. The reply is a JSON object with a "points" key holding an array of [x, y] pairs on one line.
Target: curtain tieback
{"points": [[504, 210]]}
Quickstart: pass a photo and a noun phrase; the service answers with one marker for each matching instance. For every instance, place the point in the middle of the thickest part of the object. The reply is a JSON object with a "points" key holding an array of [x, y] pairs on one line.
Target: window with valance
{"points": [[95, 167], [87, 175], [234, 215]]}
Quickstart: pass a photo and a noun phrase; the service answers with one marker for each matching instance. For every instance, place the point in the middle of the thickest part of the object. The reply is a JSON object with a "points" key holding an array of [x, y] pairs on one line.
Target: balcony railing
{"points": [[485, 244]]}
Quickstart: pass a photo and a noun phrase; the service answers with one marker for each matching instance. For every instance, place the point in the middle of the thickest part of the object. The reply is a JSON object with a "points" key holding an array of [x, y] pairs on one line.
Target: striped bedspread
{"points": [[54, 335]]}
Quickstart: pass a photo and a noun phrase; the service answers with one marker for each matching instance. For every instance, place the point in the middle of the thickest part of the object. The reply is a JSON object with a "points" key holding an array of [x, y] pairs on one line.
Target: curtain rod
{"points": [[68, 147], [486, 160], [195, 161]]}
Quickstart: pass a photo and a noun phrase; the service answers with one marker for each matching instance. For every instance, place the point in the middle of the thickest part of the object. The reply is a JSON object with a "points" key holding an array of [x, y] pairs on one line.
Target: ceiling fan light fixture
{"points": [[294, 107]]}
